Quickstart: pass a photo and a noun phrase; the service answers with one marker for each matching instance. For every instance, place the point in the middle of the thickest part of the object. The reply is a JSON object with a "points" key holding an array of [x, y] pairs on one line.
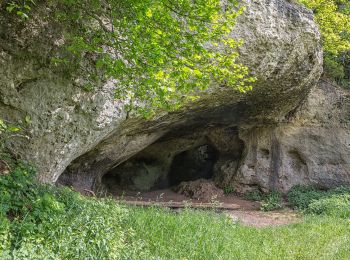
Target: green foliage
{"points": [[255, 195], [229, 190], [334, 202], [272, 200], [7, 131], [160, 54], [58, 223], [43, 222], [5, 234], [333, 17], [300, 197], [333, 205], [17, 191], [20, 7]]}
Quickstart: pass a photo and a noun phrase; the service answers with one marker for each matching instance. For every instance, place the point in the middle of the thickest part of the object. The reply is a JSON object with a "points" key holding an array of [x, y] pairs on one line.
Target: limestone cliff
{"points": [[264, 138], [311, 147]]}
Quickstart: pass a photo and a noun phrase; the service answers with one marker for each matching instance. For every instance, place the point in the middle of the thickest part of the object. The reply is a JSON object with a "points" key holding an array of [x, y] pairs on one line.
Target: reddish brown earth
{"points": [[248, 213]]}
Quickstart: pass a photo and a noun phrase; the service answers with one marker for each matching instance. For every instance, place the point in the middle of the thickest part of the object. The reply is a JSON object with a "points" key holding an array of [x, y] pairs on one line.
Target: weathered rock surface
{"points": [[286, 59], [311, 148], [87, 134]]}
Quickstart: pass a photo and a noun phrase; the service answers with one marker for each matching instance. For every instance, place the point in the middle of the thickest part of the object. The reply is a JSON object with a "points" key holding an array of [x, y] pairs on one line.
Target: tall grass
{"points": [[42, 222], [208, 235]]}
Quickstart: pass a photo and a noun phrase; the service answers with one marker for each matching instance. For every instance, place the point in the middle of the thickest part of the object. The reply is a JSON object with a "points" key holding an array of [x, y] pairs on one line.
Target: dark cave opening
{"points": [[190, 165], [213, 154], [148, 171]]}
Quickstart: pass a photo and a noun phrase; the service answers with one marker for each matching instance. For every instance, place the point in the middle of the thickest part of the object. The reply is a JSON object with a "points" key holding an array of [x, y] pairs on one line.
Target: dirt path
{"points": [[264, 219], [246, 212]]}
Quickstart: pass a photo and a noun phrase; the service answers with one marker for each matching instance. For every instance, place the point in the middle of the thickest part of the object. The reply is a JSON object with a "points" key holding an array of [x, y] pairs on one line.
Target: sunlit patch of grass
{"points": [[207, 235]]}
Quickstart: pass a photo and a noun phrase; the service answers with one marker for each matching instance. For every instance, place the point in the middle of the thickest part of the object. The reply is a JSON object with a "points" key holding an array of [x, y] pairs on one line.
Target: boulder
{"points": [[78, 136]]}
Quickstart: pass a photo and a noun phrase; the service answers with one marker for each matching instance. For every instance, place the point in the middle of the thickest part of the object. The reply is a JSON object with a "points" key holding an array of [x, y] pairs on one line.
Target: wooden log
{"points": [[176, 205]]}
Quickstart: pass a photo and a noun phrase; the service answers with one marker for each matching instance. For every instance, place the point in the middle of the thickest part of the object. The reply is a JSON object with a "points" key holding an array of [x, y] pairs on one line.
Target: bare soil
{"points": [[248, 212], [257, 218]]}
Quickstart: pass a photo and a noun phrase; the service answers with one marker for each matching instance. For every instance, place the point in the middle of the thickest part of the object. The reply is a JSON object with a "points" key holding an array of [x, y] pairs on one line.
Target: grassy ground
{"points": [[42, 222], [206, 235]]}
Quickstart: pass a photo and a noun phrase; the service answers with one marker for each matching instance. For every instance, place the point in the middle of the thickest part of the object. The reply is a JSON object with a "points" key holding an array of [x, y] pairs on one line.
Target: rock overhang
{"points": [[281, 48]]}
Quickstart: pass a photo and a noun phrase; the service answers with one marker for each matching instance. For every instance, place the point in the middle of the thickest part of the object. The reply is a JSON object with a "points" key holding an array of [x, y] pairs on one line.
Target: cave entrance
{"points": [[190, 165], [149, 171]]}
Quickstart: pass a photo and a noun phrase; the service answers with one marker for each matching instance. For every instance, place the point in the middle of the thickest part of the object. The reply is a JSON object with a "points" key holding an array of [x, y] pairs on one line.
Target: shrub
{"points": [[45, 222], [17, 190], [272, 201], [229, 189], [334, 202], [255, 195], [300, 197], [335, 205], [342, 190]]}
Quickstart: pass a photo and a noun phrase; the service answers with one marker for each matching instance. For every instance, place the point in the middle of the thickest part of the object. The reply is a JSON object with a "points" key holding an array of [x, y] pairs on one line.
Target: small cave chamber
{"points": [[149, 170], [190, 165]]}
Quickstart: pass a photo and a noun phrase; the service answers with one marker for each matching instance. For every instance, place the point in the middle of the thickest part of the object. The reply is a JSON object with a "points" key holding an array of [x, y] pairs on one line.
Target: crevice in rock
{"points": [[297, 157]]}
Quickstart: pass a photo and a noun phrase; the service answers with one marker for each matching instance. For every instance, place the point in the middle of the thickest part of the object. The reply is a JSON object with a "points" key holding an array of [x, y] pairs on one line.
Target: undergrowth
{"points": [[300, 197], [229, 190], [254, 195], [269, 201], [333, 202], [45, 222]]}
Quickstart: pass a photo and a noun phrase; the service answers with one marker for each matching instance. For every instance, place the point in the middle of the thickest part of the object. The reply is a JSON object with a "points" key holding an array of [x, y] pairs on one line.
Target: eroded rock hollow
{"points": [[173, 159]]}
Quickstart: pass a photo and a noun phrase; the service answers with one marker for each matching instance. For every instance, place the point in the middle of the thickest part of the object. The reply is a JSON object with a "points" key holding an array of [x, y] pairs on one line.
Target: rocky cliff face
{"points": [[273, 137], [311, 147]]}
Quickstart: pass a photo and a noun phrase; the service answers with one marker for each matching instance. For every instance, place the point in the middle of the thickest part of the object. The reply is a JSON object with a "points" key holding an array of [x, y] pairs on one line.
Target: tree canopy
{"points": [[159, 53], [333, 17]]}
